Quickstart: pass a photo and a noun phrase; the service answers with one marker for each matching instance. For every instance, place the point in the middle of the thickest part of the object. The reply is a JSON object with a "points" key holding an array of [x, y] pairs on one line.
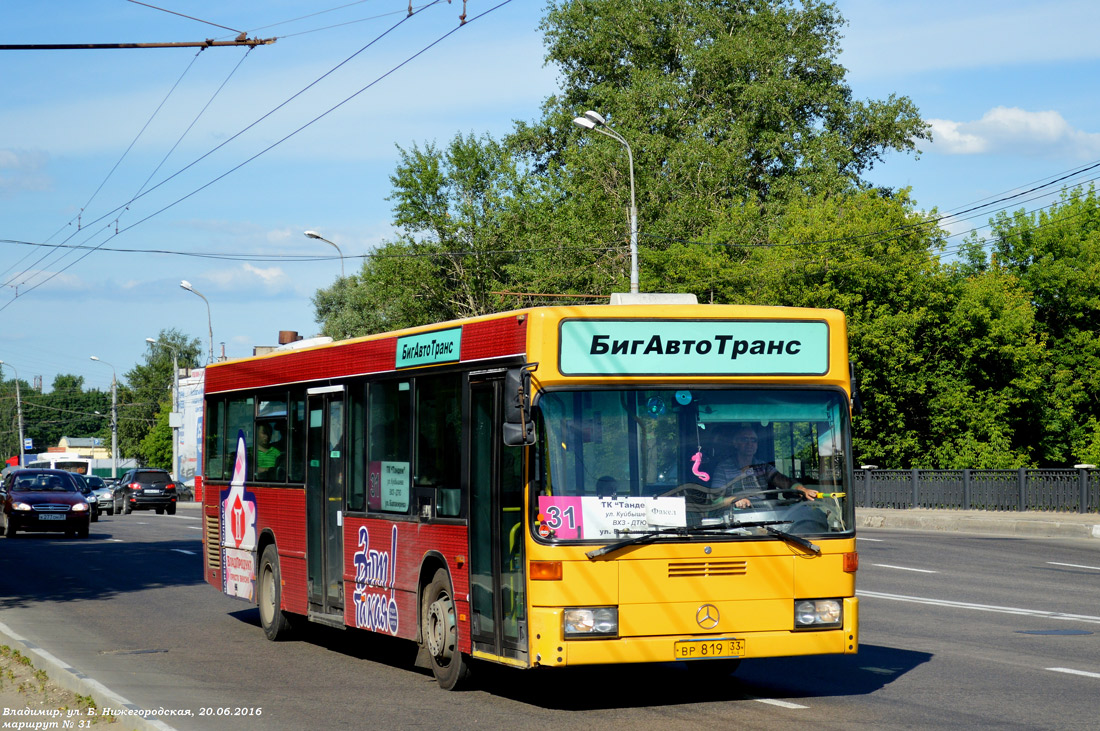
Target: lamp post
{"points": [[114, 415], [18, 409], [319, 237], [594, 121], [173, 417], [209, 323]]}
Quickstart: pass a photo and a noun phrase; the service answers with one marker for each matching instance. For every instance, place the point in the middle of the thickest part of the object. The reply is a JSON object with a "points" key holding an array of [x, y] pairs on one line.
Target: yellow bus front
{"points": [[690, 486]]}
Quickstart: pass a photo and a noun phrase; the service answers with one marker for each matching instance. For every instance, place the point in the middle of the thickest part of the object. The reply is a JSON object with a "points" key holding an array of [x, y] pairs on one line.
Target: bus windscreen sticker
{"points": [[238, 518], [439, 346], [586, 517], [388, 487], [694, 347]]}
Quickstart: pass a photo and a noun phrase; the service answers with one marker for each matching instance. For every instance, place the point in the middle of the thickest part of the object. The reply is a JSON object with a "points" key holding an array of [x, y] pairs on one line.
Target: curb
{"points": [[128, 714], [980, 522]]}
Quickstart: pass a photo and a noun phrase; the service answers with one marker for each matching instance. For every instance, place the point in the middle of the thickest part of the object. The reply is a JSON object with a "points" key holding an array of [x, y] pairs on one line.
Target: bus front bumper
{"points": [[550, 649]]}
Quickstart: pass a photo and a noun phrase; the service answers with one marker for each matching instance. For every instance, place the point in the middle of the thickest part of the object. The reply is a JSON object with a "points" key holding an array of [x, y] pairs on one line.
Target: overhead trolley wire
{"points": [[250, 126], [113, 169]]}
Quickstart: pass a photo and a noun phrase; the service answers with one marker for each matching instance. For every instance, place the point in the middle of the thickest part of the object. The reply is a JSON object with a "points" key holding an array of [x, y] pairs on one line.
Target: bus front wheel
{"points": [[275, 623], [441, 632]]}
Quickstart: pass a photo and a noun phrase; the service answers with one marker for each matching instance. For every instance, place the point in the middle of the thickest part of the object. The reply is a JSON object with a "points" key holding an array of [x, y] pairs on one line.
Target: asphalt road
{"points": [[957, 630]]}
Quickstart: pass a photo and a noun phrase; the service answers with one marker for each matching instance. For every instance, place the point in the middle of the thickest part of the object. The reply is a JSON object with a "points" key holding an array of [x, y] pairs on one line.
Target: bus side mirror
{"points": [[519, 429], [857, 402]]}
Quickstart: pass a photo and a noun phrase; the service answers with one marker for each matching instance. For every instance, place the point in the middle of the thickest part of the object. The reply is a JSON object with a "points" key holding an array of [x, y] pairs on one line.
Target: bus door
{"points": [[497, 573], [325, 460]]}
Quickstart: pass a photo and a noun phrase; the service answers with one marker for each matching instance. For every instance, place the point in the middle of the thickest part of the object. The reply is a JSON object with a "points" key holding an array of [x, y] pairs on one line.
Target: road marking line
{"points": [[1074, 565], [195, 527], [1071, 671], [72, 679], [115, 540], [872, 540], [189, 553], [982, 607], [781, 704], [904, 568]]}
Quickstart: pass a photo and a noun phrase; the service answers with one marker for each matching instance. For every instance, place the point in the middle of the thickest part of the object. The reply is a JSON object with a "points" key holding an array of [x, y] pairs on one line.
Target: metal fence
{"points": [[1063, 490]]}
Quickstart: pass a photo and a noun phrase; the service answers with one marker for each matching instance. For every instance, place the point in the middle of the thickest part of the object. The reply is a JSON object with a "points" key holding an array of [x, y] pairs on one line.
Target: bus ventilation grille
{"points": [[213, 543], [692, 569]]}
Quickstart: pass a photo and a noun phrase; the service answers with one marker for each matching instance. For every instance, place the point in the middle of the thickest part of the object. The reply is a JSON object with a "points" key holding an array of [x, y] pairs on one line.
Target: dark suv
{"points": [[148, 489]]}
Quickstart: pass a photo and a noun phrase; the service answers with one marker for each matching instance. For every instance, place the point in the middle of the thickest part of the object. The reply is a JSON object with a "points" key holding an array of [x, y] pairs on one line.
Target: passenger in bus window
{"points": [[268, 457], [738, 473]]}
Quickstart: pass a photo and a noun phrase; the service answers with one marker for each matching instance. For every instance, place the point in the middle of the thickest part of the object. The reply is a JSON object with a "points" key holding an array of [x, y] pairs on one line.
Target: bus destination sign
{"points": [[694, 347]]}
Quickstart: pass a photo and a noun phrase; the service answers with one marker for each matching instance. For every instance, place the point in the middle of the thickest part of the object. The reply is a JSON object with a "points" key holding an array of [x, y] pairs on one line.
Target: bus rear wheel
{"points": [[272, 618], [440, 632]]}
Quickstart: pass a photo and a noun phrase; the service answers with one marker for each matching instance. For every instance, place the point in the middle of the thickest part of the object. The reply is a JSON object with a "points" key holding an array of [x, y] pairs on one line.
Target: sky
{"points": [[124, 172]]}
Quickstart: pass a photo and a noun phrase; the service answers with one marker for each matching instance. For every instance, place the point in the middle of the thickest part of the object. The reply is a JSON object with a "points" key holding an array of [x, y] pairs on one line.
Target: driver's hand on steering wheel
{"points": [[742, 503], [810, 494]]}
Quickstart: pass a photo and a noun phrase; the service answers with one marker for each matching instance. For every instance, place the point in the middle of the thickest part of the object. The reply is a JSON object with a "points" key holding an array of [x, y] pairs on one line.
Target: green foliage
{"points": [[149, 392], [748, 154], [156, 447], [1055, 254], [68, 410]]}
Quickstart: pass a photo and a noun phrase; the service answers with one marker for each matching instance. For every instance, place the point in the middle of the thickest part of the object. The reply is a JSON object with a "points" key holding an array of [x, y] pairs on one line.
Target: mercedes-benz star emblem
{"points": [[707, 616]]}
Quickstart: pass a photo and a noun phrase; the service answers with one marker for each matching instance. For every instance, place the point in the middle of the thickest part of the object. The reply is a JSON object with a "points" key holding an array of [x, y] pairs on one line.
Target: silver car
{"points": [[105, 496]]}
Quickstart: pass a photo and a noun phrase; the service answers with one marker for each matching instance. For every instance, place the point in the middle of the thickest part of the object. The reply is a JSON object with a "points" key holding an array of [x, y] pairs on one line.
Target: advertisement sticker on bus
{"points": [[375, 576], [694, 347], [237, 509]]}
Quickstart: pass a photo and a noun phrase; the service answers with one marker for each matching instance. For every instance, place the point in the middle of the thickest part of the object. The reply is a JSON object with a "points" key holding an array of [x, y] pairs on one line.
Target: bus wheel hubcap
{"points": [[440, 629]]}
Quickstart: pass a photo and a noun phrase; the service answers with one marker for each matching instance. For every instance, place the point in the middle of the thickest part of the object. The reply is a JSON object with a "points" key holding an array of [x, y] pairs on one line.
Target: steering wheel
{"points": [[781, 495]]}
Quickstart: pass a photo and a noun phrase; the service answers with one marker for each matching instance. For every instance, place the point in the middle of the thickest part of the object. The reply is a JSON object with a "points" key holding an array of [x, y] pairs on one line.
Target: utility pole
{"points": [[18, 409]]}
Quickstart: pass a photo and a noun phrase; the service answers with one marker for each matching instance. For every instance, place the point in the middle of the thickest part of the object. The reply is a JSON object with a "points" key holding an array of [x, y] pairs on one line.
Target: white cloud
{"points": [[1017, 131], [249, 276], [22, 170]]}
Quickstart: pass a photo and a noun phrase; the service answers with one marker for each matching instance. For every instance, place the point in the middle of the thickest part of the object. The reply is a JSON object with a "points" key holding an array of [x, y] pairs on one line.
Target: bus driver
{"points": [[736, 476]]}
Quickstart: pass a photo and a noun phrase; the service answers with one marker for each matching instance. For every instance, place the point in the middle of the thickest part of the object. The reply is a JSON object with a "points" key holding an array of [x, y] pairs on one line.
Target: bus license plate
{"points": [[703, 649], [47, 516]]}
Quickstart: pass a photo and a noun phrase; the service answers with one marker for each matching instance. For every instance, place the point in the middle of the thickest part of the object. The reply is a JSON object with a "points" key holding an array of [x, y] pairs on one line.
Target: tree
{"points": [[149, 391], [728, 100], [1055, 254], [156, 447], [732, 109]]}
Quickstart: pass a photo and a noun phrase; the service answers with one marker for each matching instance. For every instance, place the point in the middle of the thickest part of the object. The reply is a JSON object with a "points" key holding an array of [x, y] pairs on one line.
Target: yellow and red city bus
{"points": [[535, 488]]}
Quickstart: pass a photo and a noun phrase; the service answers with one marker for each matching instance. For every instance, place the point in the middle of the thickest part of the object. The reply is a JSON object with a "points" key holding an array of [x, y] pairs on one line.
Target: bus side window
{"points": [[296, 448], [390, 426], [439, 433], [215, 456], [357, 450], [240, 415]]}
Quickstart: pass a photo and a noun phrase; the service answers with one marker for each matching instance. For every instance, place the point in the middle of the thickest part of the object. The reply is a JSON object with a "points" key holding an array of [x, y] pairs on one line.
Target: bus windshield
{"points": [[721, 457]]}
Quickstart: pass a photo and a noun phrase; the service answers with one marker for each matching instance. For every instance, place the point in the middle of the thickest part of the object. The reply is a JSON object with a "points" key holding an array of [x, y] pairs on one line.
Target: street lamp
{"points": [[18, 408], [173, 417], [594, 121], [114, 415], [319, 237], [209, 323]]}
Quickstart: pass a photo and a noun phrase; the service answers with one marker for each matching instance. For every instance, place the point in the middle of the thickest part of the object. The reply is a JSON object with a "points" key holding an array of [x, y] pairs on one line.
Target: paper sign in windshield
{"points": [[585, 517]]}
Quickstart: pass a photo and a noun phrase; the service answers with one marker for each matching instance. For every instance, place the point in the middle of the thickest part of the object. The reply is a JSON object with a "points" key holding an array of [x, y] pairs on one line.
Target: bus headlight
{"points": [[817, 613], [580, 622]]}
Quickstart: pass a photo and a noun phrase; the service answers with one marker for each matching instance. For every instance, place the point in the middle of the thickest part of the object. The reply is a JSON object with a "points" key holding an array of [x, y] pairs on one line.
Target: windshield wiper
{"points": [[651, 536], [792, 538]]}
